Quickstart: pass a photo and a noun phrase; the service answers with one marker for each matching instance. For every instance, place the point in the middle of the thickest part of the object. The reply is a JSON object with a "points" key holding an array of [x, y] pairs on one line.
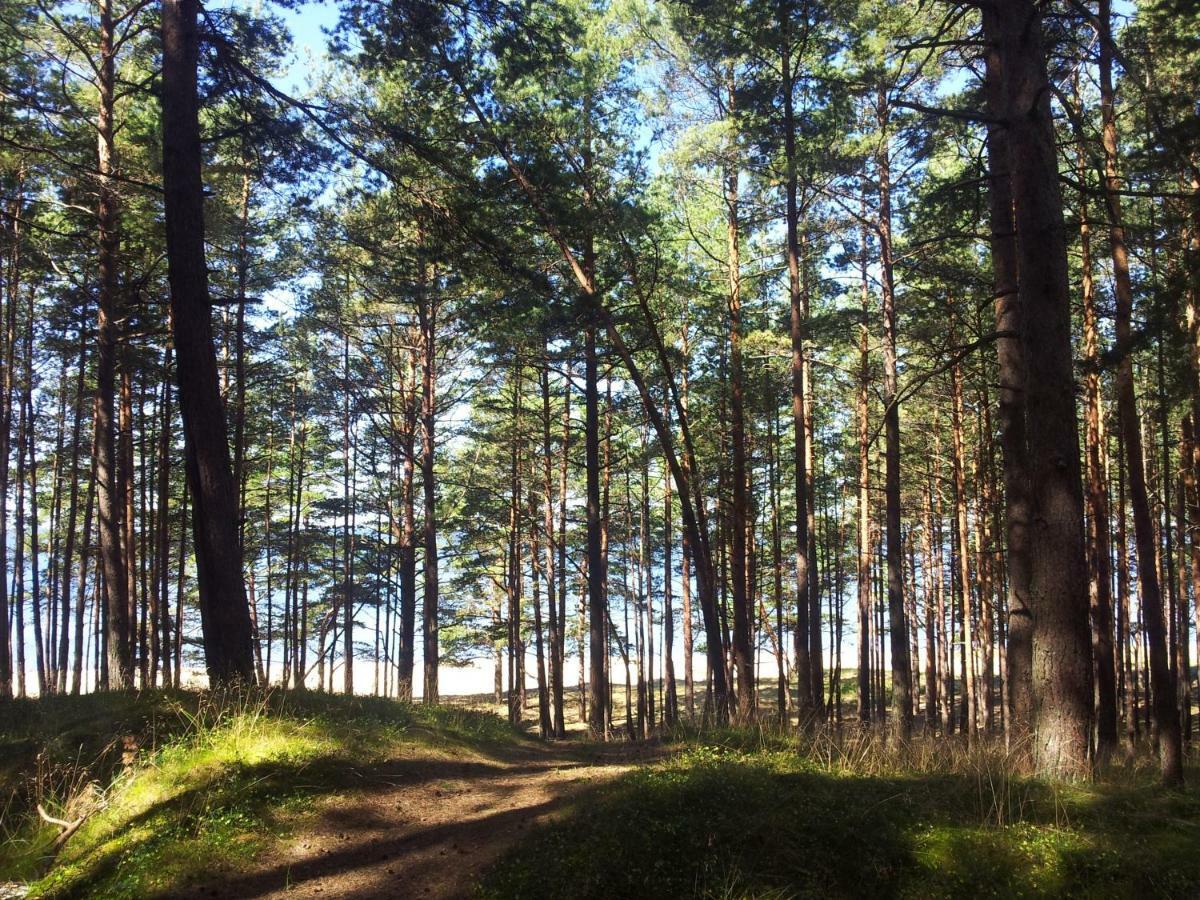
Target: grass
{"points": [[750, 814], [176, 786]]}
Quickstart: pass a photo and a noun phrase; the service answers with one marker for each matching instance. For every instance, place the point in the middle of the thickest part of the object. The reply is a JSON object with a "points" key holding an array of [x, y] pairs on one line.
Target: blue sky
{"points": [[308, 25]]}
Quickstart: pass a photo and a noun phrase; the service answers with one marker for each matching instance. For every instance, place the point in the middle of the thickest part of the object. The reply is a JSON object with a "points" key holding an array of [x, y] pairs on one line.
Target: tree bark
{"points": [[742, 640], [1165, 696], [945, 657], [35, 587], [1011, 400], [239, 355], [865, 698], [901, 668], [556, 673], [962, 534], [408, 536], [64, 585], [561, 650], [596, 563], [108, 336], [10, 313], [932, 718], [516, 650], [427, 316], [125, 492], [19, 552], [224, 614], [1099, 543], [799, 324], [348, 474], [545, 726], [685, 550], [1191, 475], [81, 585], [1125, 626], [671, 707], [781, 679], [1062, 672]]}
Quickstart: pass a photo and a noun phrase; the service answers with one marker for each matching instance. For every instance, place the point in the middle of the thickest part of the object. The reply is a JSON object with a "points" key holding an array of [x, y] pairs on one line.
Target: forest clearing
{"points": [[599, 448]]}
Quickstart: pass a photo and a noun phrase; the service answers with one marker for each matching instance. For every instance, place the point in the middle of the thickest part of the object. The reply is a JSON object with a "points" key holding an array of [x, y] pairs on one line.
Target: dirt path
{"points": [[427, 828]]}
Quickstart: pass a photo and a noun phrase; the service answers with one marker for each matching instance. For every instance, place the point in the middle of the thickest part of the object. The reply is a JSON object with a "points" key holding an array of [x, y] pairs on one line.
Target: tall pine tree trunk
{"points": [[596, 563], [930, 572], [81, 585], [962, 535], [11, 295], [1011, 400], [1099, 544], [224, 614], [864, 496], [556, 674], [427, 316], [108, 494], [35, 587], [164, 519], [685, 550], [1165, 698], [671, 707], [72, 513], [1062, 670], [20, 552], [545, 726], [561, 650], [408, 536], [799, 324], [901, 669], [742, 618]]}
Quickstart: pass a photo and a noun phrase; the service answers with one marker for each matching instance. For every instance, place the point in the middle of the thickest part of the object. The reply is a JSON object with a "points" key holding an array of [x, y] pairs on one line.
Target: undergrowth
{"points": [[765, 813], [173, 787]]}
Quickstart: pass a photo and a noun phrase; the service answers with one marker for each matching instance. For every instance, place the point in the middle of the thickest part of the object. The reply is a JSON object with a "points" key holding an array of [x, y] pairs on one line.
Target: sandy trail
{"points": [[427, 828]]}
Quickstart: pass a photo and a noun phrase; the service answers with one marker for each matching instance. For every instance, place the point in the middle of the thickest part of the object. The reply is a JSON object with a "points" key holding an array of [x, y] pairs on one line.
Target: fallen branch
{"points": [[66, 830]]}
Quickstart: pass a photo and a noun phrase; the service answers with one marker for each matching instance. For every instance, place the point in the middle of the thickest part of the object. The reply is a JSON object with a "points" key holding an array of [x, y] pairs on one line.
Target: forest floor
{"points": [[187, 795], [761, 813], [426, 827]]}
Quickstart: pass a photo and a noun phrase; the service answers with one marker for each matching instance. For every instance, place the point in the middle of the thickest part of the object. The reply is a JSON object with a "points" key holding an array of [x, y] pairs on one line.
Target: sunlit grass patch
{"points": [[179, 787], [200, 804]]}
